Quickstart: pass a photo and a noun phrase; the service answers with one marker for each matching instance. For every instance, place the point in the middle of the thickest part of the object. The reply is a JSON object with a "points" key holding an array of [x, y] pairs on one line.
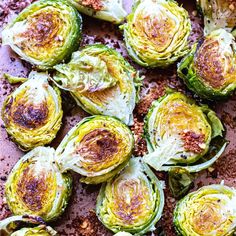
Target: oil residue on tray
{"points": [[79, 218]]}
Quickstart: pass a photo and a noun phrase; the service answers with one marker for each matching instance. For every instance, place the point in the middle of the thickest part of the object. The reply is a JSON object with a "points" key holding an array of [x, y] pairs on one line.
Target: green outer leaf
{"points": [[71, 44], [163, 60], [157, 185], [187, 72], [63, 190], [13, 79], [218, 187], [180, 181], [207, 160], [113, 11], [64, 165]]}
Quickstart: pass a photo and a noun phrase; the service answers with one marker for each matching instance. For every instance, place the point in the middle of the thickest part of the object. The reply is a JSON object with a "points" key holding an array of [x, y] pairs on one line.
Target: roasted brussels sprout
{"points": [[208, 211], [132, 201], [210, 68], [108, 10], [101, 82], [181, 133], [98, 147], [32, 113], [36, 187], [45, 33], [156, 32], [11, 225], [218, 14]]}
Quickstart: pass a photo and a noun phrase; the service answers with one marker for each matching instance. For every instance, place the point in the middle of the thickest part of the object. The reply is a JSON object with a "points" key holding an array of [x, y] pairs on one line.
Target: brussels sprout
{"points": [[156, 32], [45, 33], [181, 133], [208, 211], [108, 10], [97, 148], [218, 14], [101, 82], [36, 187], [132, 201], [32, 113], [210, 68]]}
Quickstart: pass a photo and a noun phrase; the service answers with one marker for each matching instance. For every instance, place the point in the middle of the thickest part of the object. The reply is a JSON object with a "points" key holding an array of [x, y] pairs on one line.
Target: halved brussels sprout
{"points": [[98, 147], [156, 33], [101, 81], [36, 187], [218, 14], [11, 225], [108, 10], [208, 211], [210, 68], [180, 133], [132, 201], [32, 113], [45, 33]]}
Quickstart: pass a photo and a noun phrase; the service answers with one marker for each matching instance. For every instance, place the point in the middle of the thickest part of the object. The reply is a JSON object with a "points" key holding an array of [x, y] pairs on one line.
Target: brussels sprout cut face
{"points": [[132, 201], [35, 186], [178, 131], [207, 212], [44, 33], [108, 10], [32, 113], [218, 14], [156, 32], [101, 82], [210, 68], [98, 147]]}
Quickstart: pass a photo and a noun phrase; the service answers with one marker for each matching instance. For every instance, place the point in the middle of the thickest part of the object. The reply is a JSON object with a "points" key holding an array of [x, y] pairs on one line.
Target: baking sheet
{"points": [[79, 218]]}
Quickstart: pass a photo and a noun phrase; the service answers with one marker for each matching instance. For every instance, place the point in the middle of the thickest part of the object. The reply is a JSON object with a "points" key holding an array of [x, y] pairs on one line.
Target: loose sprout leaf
{"points": [[216, 150], [156, 33], [180, 181], [13, 79], [132, 201], [210, 68], [218, 14], [108, 10], [180, 133], [84, 73], [98, 147], [112, 88], [44, 33], [35, 186], [208, 211], [32, 114]]}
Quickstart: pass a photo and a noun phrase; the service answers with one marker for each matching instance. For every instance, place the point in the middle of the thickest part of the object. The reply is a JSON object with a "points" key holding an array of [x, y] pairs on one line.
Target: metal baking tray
{"points": [[79, 218]]}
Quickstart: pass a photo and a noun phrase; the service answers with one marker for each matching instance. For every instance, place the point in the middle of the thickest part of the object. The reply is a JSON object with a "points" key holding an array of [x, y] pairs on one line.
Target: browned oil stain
{"points": [[79, 218]]}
